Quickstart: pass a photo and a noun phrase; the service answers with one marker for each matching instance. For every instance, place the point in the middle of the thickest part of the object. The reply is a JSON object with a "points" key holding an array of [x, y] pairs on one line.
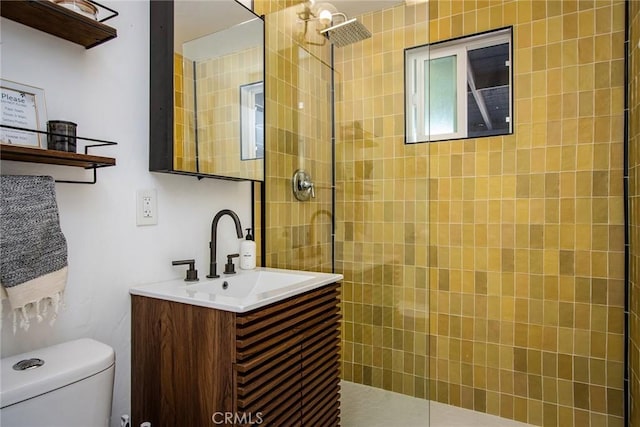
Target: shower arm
{"points": [[340, 14], [321, 32], [307, 16]]}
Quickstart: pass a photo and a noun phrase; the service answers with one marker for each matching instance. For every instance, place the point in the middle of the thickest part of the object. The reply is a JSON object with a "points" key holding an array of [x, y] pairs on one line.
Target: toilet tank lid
{"points": [[64, 364]]}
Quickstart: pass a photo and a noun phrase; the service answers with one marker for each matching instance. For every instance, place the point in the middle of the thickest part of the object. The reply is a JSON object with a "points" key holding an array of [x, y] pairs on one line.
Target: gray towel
{"points": [[33, 250]]}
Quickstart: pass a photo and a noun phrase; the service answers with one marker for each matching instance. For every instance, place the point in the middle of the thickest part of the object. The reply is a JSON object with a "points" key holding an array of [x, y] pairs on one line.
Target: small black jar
{"points": [[62, 135]]}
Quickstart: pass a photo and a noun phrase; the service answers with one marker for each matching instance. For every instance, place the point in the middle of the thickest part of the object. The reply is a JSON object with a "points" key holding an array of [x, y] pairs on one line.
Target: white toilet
{"points": [[72, 388]]}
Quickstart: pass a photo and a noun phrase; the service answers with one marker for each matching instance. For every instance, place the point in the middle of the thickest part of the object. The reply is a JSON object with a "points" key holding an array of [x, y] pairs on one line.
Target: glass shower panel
{"points": [[299, 123], [382, 228], [381, 204], [441, 96]]}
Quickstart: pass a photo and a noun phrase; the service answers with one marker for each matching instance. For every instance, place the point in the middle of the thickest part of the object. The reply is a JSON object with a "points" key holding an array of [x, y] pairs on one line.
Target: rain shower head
{"points": [[347, 32], [323, 14]]}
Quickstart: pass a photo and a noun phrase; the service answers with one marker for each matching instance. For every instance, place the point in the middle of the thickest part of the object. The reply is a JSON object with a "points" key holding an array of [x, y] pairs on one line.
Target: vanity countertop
{"points": [[240, 292]]}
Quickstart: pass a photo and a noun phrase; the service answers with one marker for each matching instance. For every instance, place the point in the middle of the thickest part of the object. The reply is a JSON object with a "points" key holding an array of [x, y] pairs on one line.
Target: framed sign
{"points": [[22, 106]]}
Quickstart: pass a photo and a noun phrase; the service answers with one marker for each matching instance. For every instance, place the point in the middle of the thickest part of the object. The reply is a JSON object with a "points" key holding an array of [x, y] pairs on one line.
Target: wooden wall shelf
{"points": [[59, 21], [53, 157]]}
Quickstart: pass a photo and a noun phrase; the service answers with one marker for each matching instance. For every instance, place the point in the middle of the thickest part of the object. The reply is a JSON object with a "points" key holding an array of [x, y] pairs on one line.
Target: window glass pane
{"points": [[441, 112], [489, 92], [460, 88], [259, 130]]}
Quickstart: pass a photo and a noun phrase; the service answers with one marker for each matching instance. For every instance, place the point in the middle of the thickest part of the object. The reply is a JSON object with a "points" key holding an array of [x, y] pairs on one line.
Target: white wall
{"points": [[105, 90]]}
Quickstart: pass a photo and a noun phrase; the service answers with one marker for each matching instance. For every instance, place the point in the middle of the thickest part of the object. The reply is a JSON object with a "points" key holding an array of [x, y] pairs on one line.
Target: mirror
{"points": [[207, 89]]}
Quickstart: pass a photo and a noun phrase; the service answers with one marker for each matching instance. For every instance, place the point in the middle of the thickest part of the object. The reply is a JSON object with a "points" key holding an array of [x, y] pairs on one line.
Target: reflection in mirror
{"points": [[216, 47], [252, 121], [222, 62]]}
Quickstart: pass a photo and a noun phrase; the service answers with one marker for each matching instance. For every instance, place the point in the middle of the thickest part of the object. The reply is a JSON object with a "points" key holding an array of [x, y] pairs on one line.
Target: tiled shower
{"points": [[505, 253], [482, 273]]}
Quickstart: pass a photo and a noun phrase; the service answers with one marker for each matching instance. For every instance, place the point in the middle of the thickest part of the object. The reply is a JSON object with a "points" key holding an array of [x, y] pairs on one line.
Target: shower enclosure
{"points": [[337, 114], [483, 273], [299, 130]]}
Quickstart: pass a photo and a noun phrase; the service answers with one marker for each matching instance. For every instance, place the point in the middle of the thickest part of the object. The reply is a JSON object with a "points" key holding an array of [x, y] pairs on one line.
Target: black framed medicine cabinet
{"points": [[201, 55]]}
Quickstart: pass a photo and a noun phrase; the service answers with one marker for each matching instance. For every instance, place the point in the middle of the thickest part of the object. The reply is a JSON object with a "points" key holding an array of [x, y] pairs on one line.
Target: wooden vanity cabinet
{"points": [[277, 365]]}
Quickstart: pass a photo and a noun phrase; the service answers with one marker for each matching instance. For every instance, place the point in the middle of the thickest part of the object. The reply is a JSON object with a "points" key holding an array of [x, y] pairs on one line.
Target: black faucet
{"points": [[214, 233]]}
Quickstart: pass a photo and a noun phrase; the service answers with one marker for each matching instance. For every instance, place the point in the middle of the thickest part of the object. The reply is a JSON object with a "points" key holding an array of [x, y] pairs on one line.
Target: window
{"points": [[252, 121], [459, 88]]}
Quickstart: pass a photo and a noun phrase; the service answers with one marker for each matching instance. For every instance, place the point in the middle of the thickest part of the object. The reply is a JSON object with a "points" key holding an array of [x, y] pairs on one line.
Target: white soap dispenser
{"points": [[248, 252]]}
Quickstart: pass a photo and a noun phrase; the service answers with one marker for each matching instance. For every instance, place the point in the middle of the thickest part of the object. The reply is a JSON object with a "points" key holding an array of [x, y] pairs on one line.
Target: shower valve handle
{"points": [[302, 186], [306, 185]]}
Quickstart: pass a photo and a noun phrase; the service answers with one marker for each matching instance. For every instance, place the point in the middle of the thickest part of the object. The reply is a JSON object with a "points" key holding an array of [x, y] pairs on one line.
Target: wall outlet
{"points": [[146, 207]]}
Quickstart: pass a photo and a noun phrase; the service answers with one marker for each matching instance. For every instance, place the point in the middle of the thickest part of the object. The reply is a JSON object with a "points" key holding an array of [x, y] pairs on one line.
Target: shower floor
{"points": [[364, 406]]}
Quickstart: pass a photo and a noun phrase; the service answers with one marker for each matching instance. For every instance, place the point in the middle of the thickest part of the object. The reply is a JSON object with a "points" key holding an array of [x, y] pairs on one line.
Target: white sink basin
{"points": [[241, 292]]}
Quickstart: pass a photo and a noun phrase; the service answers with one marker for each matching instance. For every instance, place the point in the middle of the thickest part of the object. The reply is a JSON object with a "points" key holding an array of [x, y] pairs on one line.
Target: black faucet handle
{"points": [[229, 267], [192, 273]]}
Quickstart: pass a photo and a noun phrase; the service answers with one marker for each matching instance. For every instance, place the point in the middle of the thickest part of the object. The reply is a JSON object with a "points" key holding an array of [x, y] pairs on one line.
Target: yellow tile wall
{"points": [[257, 220], [298, 136], [634, 211], [184, 147], [488, 273]]}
